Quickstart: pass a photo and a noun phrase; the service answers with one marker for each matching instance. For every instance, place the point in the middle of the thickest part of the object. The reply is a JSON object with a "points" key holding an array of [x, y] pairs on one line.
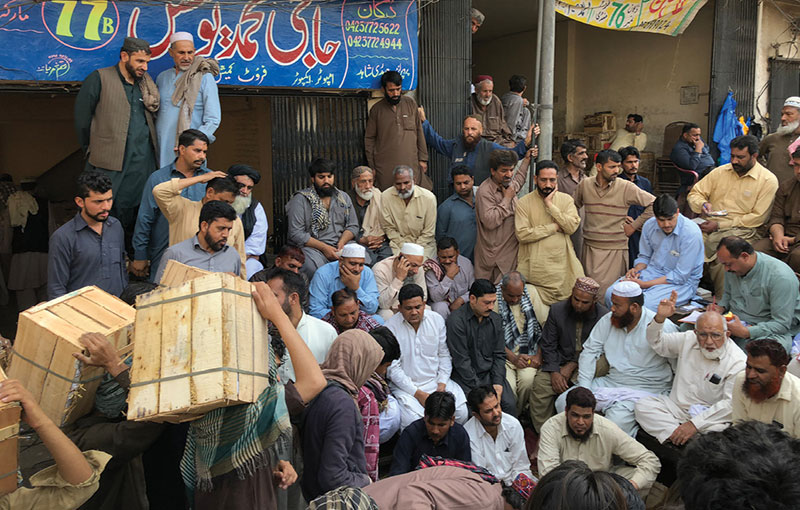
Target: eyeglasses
{"points": [[702, 335]]}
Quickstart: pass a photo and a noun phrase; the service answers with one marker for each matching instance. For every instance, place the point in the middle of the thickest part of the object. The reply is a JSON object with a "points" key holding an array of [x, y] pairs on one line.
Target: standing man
{"points": [[518, 116], [476, 341], [563, 336], [784, 221], [690, 152], [630, 172], [394, 135], [607, 229], [489, 107], [735, 199], [448, 278], [409, 213], [398, 270], [455, 217], [90, 248], [251, 212], [349, 271], [189, 97], [151, 235], [114, 121], [574, 154], [366, 199], [774, 148], [495, 203], [321, 218], [543, 222], [631, 135]]}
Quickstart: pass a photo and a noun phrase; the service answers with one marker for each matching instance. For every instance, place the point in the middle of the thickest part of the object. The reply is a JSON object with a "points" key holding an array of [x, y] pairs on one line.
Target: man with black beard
{"points": [[567, 328], [708, 362], [579, 434], [254, 219], [394, 135], [764, 391], [774, 148], [321, 218]]}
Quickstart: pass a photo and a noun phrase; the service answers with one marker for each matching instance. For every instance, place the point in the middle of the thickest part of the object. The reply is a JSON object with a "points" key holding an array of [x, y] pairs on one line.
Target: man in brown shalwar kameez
{"points": [[484, 103]]}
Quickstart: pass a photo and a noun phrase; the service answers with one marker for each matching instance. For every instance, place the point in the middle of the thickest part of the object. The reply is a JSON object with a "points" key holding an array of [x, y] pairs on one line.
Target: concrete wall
{"points": [[774, 40]]}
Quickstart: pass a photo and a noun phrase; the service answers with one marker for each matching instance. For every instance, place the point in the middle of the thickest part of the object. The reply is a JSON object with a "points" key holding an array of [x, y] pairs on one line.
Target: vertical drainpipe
{"points": [[536, 94], [547, 16]]}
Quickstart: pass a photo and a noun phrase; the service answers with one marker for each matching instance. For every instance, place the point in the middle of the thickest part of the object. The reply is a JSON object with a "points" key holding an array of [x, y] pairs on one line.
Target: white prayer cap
{"points": [[793, 101], [626, 289], [354, 250], [412, 249], [181, 36]]}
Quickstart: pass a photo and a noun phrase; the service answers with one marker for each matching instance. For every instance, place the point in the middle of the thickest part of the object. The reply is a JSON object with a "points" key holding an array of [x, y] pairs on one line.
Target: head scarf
{"points": [[245, 170], [354, 355]]}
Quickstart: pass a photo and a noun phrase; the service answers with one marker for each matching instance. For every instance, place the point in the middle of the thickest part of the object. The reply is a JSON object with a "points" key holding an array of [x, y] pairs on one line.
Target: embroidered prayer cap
{"points": [[181, 36], [245, 170], [412, 249], [483, 77], [354, 250], [626, 289], [587, 285], [524, 485], [134, 44], [793, 101]]}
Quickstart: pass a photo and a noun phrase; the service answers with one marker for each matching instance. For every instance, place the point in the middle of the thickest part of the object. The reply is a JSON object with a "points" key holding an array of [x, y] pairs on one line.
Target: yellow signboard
{"points": [[670, 17]]}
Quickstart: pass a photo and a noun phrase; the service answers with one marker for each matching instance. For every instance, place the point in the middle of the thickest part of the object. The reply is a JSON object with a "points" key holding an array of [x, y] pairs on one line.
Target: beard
{"points": [[484, 102], [240, 203], [132, 72], [97, 217], [576, 315], [471, 144], [624, 321], [545, 191], [324, 192], [758, 392], [407, 194], [365, 195], [215, 246], [583, 437], [715, 354], [394, 101], [788, 129]]}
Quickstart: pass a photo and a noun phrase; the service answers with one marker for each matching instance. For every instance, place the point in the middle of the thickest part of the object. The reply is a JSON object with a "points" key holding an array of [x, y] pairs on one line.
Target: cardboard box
{"points": [[199, 346], [176, 274], [599, 122], [47, 336], [9, 444]]}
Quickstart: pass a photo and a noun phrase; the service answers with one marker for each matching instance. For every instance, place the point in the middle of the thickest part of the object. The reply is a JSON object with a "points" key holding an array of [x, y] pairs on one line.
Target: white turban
{"points": [[626, 289], [793, 101], [354, 250], [412, 249], [181, 36]]}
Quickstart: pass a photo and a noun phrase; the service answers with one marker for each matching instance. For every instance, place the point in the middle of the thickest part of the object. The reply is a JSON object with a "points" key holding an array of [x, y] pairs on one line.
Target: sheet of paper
{"points": [[692, 317]]}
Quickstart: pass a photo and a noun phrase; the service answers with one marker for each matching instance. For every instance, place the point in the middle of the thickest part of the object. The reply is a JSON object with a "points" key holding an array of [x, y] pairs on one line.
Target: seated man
{"points": [[408, 213], [367, 202], [764, 391], [563, 337], [707, 365], [425, 364], [690, 152], [761, 292], [349, 271], [579, 434], [291, 292], [455, 216], [735, 199], [321, 218], [182, 213], [784, 221], [254, 219], [448, 277], [289, 257], [496, 439], [208, 249], [670, 256], [346, 314], [635, 369], [477, 345], [522, 332], [774, 148], [436, 434], [631, 135], [392, 273]]}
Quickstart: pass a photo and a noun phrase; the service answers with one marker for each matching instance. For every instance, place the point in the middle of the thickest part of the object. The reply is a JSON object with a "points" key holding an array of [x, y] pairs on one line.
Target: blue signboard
{"points": [[344, 44]]}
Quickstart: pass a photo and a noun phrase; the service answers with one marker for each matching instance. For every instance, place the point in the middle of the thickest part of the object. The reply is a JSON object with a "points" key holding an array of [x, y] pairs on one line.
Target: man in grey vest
{"points": [[114, 122]]}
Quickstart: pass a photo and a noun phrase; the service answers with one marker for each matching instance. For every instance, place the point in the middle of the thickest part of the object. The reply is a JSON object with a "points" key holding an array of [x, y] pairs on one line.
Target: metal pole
{"points": [[535, 118], [547, 17]]}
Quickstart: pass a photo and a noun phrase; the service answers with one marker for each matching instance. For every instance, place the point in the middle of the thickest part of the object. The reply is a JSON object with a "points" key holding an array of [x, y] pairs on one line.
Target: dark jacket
{"points": [[558, 334], [478, 349]]}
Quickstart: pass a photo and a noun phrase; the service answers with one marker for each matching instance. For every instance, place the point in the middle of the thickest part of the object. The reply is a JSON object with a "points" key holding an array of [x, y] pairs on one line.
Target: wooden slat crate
{"points": [[9, 447], [47, 336], [197, 347], [176, 274]]}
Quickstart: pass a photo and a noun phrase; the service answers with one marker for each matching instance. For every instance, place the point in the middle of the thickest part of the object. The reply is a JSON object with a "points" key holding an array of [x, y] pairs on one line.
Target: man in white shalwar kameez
{"points": [[425, 364], [707, 366], [636, 370]]}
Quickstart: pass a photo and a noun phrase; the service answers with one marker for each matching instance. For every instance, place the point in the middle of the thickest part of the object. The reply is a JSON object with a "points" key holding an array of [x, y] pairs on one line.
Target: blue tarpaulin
{"points": [[727, 128]]}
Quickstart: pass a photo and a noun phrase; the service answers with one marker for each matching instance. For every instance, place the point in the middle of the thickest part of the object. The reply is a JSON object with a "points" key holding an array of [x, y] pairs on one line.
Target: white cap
{"points": [[412, 249], [626, 289], [181, 36], [792, 101], [354, 250]]}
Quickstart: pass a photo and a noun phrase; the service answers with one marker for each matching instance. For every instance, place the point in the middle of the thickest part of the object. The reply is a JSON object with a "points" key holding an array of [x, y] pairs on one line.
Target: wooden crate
{"points": [[599, 122], [9, 447], [176, 274], [197, 347], [47, 336]]}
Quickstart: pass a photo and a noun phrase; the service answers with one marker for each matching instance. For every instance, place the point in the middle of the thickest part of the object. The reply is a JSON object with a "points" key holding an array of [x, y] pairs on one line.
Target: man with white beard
{"points": [[367, 203], [774, 148], [408, 214], [254, 219], [486, 104], [707, 364]]}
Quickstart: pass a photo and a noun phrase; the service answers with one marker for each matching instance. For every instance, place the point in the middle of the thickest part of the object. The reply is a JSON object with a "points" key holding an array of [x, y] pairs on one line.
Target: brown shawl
{"points": [[187, 86], [353, 356]]}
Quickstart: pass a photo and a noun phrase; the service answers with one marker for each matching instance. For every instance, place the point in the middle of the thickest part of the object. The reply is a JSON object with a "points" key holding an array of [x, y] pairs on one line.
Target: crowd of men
{"points": [[449, 329]]}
